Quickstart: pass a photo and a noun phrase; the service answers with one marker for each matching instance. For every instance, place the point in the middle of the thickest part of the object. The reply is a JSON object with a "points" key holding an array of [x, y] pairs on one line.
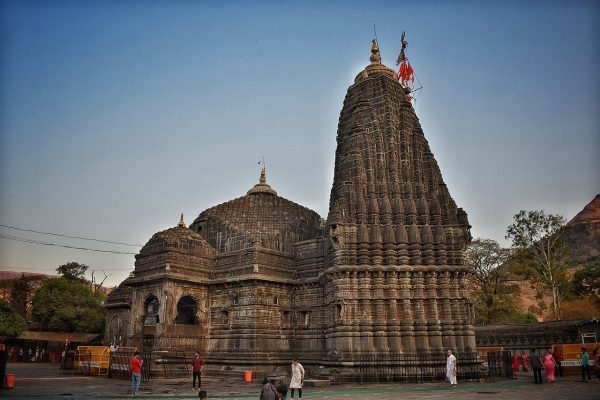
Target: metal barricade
{"points": [[415, 368], [499, 364]]}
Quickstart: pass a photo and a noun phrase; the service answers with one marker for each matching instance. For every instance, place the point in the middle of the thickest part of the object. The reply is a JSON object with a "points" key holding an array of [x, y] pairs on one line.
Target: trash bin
{"points": [[10, 380], [248, 376]]}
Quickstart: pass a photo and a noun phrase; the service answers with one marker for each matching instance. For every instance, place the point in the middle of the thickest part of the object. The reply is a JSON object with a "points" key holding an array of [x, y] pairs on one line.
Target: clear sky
{"points": [[116, 116]]}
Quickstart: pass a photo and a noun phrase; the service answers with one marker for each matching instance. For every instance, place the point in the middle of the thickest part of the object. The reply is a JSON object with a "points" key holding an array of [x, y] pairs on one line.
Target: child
{"points": [[202, 395]]}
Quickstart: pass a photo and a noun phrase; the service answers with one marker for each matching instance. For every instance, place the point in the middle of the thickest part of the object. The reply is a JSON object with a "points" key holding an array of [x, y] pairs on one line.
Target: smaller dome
{"points": [[179, 238], [262, 186]]}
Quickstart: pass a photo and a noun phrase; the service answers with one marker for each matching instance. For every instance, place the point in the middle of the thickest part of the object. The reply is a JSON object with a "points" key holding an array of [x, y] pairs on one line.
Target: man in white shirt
{"points": [[451, 368]]}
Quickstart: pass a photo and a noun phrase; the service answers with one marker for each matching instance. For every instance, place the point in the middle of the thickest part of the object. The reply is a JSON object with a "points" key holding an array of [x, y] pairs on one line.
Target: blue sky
{"points": [[117, 116]]}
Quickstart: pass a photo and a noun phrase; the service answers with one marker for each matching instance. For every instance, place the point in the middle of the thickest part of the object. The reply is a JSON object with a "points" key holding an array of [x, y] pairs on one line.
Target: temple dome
{"points": [[178, 239], [261, 217]]}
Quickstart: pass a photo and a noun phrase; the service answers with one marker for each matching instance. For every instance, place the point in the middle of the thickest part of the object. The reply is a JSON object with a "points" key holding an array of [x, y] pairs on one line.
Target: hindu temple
{"points": [[258, 280]]}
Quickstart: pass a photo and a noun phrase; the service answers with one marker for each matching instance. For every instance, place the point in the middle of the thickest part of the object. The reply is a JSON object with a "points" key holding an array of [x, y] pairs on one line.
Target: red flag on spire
{"points": [[406, 74]]}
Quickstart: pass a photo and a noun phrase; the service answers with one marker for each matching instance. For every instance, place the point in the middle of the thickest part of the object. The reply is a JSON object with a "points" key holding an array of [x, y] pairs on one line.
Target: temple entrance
{"points": [[187, 307]]}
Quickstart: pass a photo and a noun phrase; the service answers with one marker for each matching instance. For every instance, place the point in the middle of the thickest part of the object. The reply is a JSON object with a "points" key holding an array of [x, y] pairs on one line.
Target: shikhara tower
{"points": [[396, 274], [260, 279]]}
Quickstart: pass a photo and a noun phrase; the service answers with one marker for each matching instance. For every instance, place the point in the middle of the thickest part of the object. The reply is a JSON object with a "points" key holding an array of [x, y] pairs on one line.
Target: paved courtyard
{"points": [[44, 381]]}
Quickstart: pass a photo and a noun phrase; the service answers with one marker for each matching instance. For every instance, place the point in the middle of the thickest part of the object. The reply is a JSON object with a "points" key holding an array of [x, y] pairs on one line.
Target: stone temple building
{"points": [[259, 279]]}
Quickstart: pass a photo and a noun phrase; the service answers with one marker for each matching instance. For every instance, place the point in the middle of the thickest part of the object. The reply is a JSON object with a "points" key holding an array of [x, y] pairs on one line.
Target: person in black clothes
{"points": [[536, 365]]}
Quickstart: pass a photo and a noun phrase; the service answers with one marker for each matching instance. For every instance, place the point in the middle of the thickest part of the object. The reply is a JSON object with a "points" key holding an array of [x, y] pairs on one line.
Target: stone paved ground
{"points": [[44, 381]]}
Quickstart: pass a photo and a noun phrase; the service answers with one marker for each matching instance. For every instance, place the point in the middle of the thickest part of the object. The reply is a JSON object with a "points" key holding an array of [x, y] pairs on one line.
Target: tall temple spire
{"points": [[393, 224]]}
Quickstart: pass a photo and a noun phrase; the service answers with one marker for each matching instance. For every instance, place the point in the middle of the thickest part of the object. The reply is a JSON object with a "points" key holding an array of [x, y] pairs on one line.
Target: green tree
{"points": [[73, 270], [11, 323], [539, 239], [69, 305], [493, 292], [586, 281]]}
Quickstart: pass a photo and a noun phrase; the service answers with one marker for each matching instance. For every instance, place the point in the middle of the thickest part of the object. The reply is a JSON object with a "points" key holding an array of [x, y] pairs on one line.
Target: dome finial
{"points": [[263, 175], [181, 223], [262, 186], [375, 56]]}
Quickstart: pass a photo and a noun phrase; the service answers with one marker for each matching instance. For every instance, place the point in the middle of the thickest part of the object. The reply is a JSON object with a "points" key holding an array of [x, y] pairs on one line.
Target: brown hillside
{"points": [[583, 235]]}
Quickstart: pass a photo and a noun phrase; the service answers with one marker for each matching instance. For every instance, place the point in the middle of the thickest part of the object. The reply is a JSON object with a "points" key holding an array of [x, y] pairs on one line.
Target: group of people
{"points": [[549, 363], [270, 391], [39, 354]]}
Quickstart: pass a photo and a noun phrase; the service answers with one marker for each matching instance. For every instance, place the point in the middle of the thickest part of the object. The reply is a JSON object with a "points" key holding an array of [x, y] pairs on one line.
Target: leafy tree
{"points": [[19, 291], [11, 323], [73, 270], [586, 281], [542, 249], [494, 294], [69, 305], [76, 271]]}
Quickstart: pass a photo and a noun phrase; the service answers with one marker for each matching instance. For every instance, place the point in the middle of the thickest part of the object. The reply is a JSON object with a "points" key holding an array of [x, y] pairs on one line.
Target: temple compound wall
{"points": [[260, 279]]}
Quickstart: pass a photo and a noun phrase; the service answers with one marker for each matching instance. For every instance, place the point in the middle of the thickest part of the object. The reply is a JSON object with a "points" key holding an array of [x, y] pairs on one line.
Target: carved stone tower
{"points": [[396, 275]]}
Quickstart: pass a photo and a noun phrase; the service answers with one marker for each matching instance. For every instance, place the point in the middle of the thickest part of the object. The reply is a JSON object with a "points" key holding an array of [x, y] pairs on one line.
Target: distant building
{"points": [[260, 279]]}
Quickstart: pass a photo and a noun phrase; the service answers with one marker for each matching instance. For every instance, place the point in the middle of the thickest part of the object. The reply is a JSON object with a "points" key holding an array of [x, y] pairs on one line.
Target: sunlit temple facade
{"points": [[260, 279]]}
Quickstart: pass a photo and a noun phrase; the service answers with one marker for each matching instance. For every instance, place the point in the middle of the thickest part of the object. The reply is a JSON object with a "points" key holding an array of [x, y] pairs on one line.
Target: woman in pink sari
{"points": [[549, 365]]}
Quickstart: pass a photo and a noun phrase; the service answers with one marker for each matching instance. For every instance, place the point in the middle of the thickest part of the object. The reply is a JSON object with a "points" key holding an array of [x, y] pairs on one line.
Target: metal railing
{"points": [[499, 364], [166, 364], [415, 368]]}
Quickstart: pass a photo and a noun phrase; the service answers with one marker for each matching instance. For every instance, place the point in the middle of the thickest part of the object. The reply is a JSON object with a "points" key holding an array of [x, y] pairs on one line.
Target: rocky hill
{"points": [[583, 235]]}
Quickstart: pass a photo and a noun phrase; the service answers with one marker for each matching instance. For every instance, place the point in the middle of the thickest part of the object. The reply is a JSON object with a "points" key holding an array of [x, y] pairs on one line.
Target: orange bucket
{"points": [[248, 376], [10, 380]]}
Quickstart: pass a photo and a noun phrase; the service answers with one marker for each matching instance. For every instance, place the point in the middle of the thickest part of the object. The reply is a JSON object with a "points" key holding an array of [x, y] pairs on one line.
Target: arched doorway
{"points": [[187, 307]]}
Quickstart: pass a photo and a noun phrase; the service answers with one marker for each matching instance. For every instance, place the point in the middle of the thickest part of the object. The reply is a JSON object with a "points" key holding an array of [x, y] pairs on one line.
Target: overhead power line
{"points": [[70, 237], [17, 269], [33, 241]]}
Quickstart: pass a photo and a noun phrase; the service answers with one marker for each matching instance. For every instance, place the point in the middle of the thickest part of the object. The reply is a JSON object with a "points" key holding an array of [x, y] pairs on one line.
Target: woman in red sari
{"points": [[525, 361], [549, 365], [515, 364]]}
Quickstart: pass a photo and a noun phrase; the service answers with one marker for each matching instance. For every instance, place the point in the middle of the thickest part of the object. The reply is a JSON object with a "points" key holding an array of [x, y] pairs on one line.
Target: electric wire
{"points": [[33, 241], [70, 237]]}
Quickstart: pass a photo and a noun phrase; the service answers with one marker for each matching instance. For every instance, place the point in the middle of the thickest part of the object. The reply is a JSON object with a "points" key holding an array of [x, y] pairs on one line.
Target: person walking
{"points": [[297, 377], [451, 368], [197, 364], [524, 361], [558, 357], [549, 365], [585, 358], [536, 364], [515, 365], [135, 366]]}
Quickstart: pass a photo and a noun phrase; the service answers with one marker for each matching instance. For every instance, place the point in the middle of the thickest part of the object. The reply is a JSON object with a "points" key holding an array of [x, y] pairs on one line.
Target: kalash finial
{"points": [[262, 186], [181, 223], [375, 56]]}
